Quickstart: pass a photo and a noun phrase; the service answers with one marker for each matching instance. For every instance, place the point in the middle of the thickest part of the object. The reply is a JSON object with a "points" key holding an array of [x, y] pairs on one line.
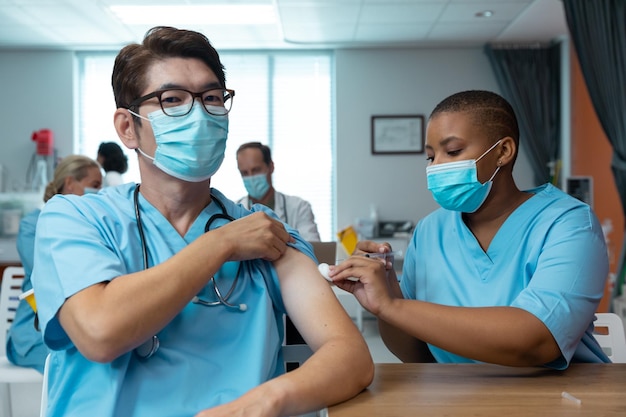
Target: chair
{"points": [[299, 354], [296, 353], [619, 306], [609, 332], [10, 374], [44, 388]]}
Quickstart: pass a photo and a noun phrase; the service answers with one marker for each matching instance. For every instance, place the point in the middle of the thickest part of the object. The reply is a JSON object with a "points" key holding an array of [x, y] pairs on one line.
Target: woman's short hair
{"points": [[488, 110]]}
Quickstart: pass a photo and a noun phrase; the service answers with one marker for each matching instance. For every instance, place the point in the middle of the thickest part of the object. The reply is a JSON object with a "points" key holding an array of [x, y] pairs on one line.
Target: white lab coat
{"points": [[294, 211], [112, 179]]}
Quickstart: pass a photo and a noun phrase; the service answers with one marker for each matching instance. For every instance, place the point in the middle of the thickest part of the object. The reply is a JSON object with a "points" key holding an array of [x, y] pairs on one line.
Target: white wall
{"points": [[38, 92], [388, 82], [39, 89]]}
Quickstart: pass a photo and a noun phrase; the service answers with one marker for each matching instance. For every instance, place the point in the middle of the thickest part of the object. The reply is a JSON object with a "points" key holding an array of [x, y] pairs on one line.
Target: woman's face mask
{"points": [[455, 185], [191, 147], [90, 190]]}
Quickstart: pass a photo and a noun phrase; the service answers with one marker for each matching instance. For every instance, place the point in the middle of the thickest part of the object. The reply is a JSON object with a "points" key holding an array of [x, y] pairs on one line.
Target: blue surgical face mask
{"points": [[256, 185], [90, 190], [190, 147], [455, 185]]}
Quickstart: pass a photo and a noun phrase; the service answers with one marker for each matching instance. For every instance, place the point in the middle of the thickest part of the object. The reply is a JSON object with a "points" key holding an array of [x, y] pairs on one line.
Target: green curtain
{"points": [[530, 78], [598, 31]]}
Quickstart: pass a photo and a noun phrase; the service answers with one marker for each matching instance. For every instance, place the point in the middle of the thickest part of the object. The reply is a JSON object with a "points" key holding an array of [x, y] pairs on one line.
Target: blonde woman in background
{"points": [[75, 174]]}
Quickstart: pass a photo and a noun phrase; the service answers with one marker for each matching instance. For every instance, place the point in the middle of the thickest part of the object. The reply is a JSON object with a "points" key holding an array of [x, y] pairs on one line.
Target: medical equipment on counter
{"points": [[42, 162]]}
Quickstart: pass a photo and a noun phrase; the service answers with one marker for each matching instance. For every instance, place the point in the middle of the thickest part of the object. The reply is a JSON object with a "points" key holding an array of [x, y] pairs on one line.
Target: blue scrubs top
{"points": [[548, 258], [207, 355], [25, 345]]}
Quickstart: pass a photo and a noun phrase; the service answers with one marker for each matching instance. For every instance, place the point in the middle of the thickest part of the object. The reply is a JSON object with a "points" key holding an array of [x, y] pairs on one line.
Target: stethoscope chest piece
{"points": [[149, 348]]}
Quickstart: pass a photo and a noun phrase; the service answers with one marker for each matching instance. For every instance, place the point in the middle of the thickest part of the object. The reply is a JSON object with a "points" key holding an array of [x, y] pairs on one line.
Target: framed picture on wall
{"points": [[402, 134]]}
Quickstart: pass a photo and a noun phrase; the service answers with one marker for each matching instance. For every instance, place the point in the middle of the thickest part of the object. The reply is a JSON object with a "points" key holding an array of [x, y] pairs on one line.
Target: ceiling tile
{"points": [[315, 33], [325, 14], [391, 33], [409, 13], [547, 17], [466, 32], [463, 12], [9, 35], [83, 24], [57, 14], [11, 15]]}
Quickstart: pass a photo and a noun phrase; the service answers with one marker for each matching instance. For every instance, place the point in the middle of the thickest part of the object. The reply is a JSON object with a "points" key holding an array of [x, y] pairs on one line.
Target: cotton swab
{"points": [[324, 269], [570, 397]]}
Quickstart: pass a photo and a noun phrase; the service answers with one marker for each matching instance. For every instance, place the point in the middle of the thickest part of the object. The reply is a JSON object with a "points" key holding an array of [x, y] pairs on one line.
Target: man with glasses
{"points": [[255, 164], [165, 298]]}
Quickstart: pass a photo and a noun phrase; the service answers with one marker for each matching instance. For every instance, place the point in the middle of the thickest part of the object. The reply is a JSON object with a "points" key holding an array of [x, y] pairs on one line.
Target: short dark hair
{"points": [[488, 110], [113, 158], [132, 62], [265, 150]]}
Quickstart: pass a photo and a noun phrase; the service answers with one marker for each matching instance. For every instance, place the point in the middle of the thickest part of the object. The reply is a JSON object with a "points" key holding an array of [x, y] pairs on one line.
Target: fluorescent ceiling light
{"points": [[240, 14]]}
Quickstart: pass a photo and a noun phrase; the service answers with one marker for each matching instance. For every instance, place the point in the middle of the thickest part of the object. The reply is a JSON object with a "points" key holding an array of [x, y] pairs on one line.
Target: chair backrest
{"points": [[12, 279], [44, 388], [609, 332], [325, 252], [296, 353]]}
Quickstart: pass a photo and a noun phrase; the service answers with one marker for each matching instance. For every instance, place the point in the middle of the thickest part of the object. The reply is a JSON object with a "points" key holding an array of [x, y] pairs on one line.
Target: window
{"points": [[283, 99]]}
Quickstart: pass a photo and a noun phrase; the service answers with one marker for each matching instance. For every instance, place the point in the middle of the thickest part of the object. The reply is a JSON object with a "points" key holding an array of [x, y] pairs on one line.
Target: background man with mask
{"points": [[254, 161]]}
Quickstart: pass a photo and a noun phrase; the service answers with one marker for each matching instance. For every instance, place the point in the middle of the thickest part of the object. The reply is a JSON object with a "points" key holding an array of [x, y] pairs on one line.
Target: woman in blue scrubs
{"points": [[75, 174], [496, 274], [167, 299]]}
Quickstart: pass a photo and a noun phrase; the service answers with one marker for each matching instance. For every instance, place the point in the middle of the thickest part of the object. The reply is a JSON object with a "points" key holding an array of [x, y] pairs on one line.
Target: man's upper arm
{"points": [[309, 299]]}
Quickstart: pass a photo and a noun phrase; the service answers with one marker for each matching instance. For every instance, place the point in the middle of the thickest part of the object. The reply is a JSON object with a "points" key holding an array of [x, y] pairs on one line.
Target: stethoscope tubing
{"points": [[150, 347]]}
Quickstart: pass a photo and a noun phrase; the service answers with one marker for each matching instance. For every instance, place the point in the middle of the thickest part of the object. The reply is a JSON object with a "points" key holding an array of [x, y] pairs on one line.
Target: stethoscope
{"points": [[151, 346]]}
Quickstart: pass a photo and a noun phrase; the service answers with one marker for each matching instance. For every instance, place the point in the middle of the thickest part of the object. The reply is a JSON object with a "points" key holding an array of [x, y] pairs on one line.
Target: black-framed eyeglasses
{"points": [[176, 102]]}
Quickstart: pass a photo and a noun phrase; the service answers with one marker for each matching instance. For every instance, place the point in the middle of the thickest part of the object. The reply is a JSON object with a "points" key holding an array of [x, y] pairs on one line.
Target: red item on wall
{"points": [[45, 141]]}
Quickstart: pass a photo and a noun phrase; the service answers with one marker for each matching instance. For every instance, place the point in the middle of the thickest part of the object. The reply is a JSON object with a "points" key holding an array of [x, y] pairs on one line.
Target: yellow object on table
{"points": [[29, 296], [348, 239]]}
